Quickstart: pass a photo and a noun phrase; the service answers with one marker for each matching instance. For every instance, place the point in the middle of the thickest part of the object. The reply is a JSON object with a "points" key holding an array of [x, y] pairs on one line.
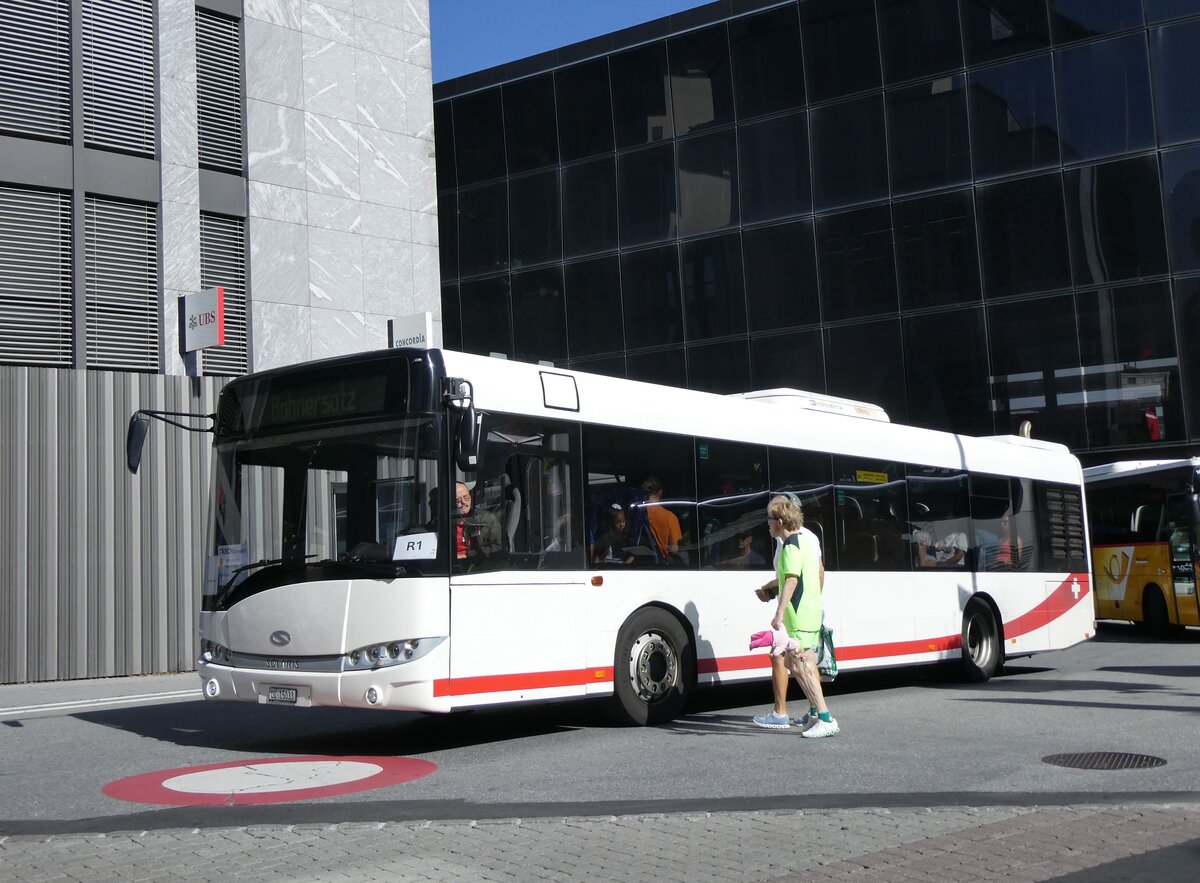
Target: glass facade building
{"points": [[970, 212]]}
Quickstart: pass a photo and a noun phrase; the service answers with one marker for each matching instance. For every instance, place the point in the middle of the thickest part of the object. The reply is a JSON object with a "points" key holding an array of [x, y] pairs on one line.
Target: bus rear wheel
{"points": [[981, 649], [654, 668]]}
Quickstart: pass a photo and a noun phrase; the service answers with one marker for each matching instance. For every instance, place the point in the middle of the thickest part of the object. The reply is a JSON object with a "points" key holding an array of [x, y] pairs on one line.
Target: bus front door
{"points": [[1181, 534]]}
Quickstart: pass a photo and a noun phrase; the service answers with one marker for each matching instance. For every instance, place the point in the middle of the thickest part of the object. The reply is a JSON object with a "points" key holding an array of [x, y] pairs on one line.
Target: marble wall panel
{"points": [[287, 13], [172, 361], [331, 150], [424, 228], [387, 277], [282, 335], [278, 203], [177, 122], [279, 262], [427, 279], [388, 12], [326, 20], [329, 80], [381, 92], [336, 332], [276, 140], [419, 102], [274, 64], [180, 183], [422, 172], [386, 221], [384, 167], [376, 332], [372, 36], [181, 246], [416, 17], [177, 30], [335, 272], [335, 213]]}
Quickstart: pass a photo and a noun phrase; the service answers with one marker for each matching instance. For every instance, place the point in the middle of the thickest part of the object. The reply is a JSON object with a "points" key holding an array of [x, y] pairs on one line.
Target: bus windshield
{"points": [[328, 502]]}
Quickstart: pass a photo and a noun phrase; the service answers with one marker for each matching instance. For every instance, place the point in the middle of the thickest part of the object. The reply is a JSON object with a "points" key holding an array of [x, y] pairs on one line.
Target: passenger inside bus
{"points": [[611, 546], [939, 543]]}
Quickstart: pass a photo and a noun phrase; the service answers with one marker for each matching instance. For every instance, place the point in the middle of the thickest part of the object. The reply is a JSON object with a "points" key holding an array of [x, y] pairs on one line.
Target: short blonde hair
{"points": [[788, 511]]}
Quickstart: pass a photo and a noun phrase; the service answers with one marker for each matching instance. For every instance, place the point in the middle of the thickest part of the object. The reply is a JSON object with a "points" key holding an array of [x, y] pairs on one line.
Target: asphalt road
{"points": [[911, 738]]}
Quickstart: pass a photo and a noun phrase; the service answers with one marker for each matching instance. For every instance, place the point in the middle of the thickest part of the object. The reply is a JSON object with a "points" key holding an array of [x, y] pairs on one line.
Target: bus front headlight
{"points": [[388, 653]]}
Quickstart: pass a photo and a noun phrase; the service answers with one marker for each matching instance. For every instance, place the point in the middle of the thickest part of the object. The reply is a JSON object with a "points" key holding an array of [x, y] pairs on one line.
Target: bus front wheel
{"points": [[1154, 613], [980, 642], [654, 668]]}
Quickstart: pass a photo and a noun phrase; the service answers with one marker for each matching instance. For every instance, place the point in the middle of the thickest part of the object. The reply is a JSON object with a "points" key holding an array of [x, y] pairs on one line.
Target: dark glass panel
{"points": [[1014, 121], [665, 366], [594, 307], [732, 482], [535, 232], [641, 93], [486, 326], [483, 229], [795, 360], [948, 383], [920, 38], [999, 28], [768, 74], [809, 476], [773, 156], [1030, 341], [589, 207], [841, 49], [939, 512], [871, 505], [443, 139], [781, 276], [864, 362], [647, 194], [1164, 10], [708, 186], [1130, 366], [856, 264], [1115, 221], [451, 318], [530, 132], [650, 293], [1187, 311], [1181, 189], [448, 234], [714, 300], [849, 153], [1080, 19], [611, 367], [935, 250], [1175, 60], [585, 125], [722, 368], [1023, 236], [701, 92], [539, 318], [479, 136], [927, 135], [1104, 104]]}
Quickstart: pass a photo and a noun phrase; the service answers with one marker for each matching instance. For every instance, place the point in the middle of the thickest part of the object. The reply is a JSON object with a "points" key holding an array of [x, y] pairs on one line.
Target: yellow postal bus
{"points": [[1143, 517]]}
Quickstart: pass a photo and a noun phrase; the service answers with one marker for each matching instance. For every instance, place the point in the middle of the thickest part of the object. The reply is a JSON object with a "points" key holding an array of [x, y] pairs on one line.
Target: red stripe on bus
{"points": [[1056, 604], [538, 680]]}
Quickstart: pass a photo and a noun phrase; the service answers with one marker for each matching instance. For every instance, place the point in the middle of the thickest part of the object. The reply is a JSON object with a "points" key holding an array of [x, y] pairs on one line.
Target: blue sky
{"points": [[470, 35]]}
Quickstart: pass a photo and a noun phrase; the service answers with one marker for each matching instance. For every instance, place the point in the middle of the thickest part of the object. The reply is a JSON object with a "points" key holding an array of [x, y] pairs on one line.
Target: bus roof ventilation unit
{"points": [[811, 401]]}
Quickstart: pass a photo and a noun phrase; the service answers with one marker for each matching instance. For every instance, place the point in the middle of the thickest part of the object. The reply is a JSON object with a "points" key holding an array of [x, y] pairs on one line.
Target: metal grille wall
{"points": [[223, 263], [122, 284], [35, 285], [219, 91], [35, 74], [118, 75], [101, 571]]}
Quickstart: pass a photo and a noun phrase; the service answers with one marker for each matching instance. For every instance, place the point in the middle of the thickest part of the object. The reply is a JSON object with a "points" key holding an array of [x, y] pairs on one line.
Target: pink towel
{"points": [[778, 641]]}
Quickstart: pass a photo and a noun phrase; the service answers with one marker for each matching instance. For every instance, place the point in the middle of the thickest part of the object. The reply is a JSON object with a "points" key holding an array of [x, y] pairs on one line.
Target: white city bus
{"points": [[337, 576]]}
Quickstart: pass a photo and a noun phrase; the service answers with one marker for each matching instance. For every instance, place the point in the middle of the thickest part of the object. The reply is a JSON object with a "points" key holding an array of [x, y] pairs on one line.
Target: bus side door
{"points": [[1180, 532]]}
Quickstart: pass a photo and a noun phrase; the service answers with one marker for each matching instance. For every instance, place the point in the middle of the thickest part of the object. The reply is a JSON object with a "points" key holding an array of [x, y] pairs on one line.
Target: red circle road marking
{"points": [[367, 773]]}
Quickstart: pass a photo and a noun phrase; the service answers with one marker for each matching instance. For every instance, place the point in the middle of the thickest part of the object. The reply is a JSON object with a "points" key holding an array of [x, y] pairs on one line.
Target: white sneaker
{"points": [[821, 729]]}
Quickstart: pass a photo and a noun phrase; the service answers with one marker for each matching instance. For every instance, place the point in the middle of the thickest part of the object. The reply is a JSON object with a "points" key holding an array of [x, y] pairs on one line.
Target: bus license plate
{"points": [[282, 695]]}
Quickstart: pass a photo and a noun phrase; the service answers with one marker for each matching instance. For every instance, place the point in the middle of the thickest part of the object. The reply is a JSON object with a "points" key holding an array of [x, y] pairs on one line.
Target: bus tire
{"points": [[981, 650], [1154, 612], [654, 668]]}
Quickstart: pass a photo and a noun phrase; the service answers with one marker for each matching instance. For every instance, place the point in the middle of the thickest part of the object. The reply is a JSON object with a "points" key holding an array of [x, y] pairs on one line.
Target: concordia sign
{"points": [[415, 331]]}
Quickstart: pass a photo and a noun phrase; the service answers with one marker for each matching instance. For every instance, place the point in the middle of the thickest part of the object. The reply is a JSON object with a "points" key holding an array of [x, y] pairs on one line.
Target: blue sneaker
{"points": [[773, 720]]}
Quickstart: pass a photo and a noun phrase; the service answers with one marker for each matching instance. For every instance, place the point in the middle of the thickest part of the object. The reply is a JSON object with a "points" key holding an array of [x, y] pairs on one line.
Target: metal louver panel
{"points": [[35, 68], [122, 284], [35, 277], [118, 75], [219, 91], [223, 264]]}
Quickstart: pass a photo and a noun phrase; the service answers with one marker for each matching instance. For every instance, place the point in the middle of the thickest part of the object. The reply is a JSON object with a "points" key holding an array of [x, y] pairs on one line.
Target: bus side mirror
{"points": [[466, 448], [135, 439]]}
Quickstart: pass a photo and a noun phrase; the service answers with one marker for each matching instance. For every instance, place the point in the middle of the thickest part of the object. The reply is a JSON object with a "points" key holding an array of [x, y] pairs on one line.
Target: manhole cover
{"points": [[1104, 760]]}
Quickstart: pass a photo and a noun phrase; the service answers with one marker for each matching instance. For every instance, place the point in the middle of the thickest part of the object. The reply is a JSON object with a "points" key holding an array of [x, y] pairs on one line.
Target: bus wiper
{"points": [[227, 589], [372, 565]]}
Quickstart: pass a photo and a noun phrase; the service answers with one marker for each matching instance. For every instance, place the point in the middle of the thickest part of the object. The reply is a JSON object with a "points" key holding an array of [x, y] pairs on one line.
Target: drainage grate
{"points": [[1104, 760]]}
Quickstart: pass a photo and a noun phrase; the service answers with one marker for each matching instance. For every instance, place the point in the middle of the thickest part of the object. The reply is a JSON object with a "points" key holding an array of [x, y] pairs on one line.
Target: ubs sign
{"points": [[202, 319]]}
